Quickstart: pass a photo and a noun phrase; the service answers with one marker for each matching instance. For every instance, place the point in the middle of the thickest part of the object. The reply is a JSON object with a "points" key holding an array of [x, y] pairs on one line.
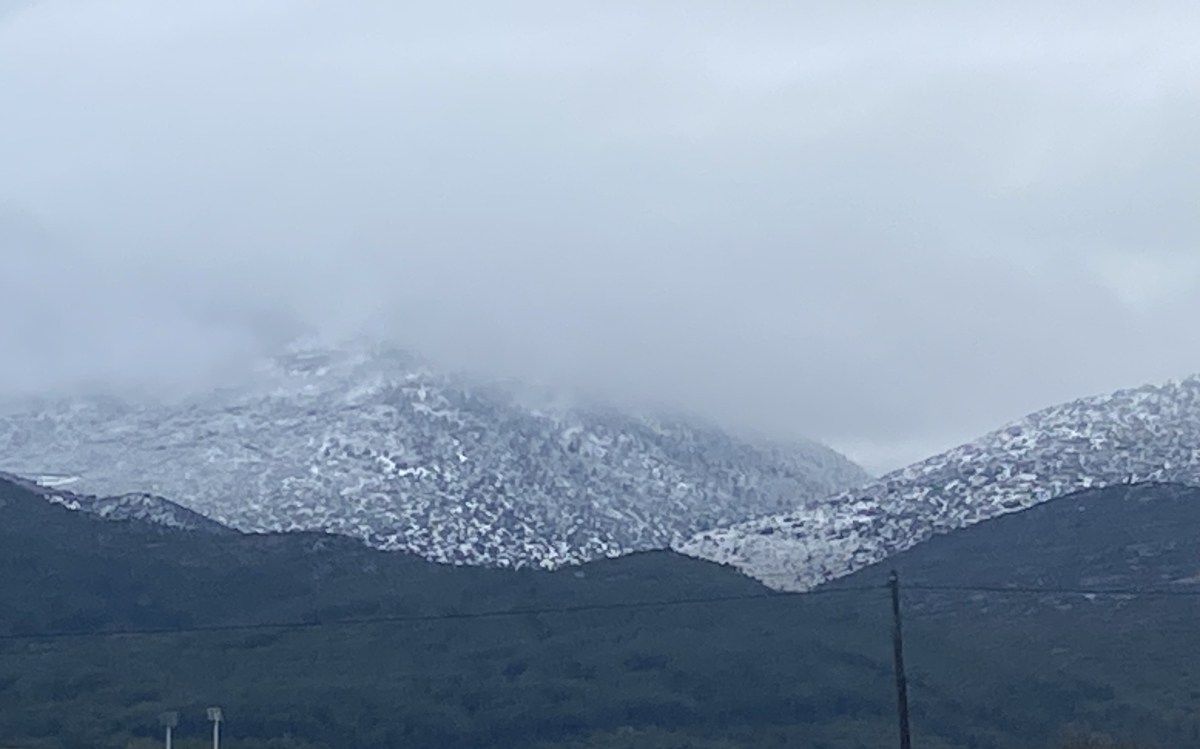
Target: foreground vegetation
{"points": [[815, 671]]}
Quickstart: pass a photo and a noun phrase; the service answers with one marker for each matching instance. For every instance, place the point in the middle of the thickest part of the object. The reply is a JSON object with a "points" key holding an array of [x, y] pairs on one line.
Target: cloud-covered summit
{"points": [[885, 227]]}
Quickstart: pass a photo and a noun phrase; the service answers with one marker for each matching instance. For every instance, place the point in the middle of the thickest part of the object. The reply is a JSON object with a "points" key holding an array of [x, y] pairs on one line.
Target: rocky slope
{"points": [[369, 444], [1148, 434]]}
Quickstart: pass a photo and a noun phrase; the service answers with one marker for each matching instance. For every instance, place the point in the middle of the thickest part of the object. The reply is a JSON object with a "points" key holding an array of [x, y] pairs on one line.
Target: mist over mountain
{"points": [[887, 228], [1146, 434], [369, 443]]}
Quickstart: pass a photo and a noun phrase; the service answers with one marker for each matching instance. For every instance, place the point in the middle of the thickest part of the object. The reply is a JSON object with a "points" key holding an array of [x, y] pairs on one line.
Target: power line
{"points": [[585, 608], [1098, 592], [445, 616]]}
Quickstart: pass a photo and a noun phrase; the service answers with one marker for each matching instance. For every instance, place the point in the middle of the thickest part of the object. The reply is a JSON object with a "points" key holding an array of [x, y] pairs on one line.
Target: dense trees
{"points": [[765, 671]]}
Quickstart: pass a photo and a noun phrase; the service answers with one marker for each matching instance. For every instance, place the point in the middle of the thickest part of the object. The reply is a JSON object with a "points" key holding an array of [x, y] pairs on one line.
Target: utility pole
{"points": [[898, 649], [214, 714], [168, 721]]}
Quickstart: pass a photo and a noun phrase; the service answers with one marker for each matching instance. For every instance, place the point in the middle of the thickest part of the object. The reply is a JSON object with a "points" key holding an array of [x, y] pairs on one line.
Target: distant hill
{"points": [[371, 444], [1147, 434], [748, 668]]}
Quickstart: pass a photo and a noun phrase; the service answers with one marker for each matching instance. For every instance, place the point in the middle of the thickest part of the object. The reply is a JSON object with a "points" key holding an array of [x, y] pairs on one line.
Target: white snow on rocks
{"points": [[1148, 434], [369, 444]]}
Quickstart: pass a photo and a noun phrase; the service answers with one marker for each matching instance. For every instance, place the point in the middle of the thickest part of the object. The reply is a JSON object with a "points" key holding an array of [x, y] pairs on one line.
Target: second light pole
{"points": [[214, 714]]}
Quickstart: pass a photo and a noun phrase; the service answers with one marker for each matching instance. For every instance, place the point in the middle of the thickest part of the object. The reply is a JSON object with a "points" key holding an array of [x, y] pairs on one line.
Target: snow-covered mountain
{"points": [[136, 506], [1148, 434], [370, 444]]}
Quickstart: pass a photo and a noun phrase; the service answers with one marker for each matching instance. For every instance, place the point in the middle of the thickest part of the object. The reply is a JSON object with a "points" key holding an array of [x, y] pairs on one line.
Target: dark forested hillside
{"points": [[1128, 661], [751, 668]]}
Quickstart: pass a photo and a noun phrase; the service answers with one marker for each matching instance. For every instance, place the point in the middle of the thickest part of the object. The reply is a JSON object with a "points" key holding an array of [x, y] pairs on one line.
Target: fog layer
{"points": [[886, 228]]}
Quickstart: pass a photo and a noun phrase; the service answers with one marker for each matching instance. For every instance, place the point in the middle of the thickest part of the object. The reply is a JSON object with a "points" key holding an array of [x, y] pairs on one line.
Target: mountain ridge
{"points": [[136, 506], [369, 443], [1145, 434]]}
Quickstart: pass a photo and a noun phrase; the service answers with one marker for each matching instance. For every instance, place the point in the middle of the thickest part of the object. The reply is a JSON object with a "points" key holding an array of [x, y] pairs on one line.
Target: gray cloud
{"points": [[889, 229]]}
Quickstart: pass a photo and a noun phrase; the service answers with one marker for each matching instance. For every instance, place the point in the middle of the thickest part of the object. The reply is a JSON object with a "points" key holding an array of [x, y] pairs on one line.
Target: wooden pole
{"points": [[898, 650]]}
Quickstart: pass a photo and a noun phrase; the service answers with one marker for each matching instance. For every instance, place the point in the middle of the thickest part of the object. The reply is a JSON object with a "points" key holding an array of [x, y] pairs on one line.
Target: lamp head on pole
{"points": [[214, 714], [169, 719]]}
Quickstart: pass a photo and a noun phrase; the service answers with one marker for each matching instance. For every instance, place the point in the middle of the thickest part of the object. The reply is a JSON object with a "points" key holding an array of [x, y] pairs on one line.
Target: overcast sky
{"points": [[888, 226]]}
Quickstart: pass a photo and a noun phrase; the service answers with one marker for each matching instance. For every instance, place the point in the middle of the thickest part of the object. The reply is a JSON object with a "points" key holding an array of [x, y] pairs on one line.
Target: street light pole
{"points": [[169, 720], [214, 714]]}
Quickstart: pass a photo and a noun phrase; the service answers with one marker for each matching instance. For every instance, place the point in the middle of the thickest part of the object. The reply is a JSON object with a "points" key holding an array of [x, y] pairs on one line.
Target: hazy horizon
{"points": [[888, 229]]}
